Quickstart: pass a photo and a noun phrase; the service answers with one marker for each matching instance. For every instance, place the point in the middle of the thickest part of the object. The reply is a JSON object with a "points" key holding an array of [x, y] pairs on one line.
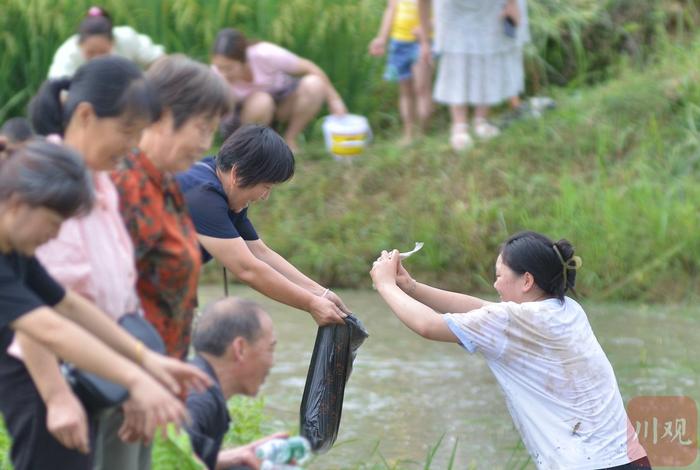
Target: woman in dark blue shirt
{"points": [[218, 191]]}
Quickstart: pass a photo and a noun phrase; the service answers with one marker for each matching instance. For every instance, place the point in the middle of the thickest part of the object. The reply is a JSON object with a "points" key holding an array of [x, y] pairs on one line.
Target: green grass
{"points": [[4, 447], [330, 32], [614, 168]]}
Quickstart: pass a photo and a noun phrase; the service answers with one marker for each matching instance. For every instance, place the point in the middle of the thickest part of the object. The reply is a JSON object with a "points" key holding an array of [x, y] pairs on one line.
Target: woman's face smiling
{"points": [[95, 46], [240, 197], [117, 136], [243, 197], [25, 227], [177, 149], [232, 70], [103, 141], [508, 284]]}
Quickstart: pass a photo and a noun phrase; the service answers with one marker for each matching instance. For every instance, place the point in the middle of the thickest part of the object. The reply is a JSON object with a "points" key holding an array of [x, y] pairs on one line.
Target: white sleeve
{"points": [[482, 330], [67, 59], [137, 47]]}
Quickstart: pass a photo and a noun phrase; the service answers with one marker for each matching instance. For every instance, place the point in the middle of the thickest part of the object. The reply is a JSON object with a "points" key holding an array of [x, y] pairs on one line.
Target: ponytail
{"points": [[46, 111], [17, 129], [112, 85]]}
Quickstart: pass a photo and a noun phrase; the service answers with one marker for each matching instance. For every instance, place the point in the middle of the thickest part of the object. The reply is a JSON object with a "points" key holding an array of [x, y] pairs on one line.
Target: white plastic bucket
{"points": [[346, 136]]}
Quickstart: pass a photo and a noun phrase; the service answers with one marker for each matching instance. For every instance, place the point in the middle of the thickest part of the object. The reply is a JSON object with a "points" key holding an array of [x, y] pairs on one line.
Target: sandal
{"points": [[485, 130], [459, 137]]}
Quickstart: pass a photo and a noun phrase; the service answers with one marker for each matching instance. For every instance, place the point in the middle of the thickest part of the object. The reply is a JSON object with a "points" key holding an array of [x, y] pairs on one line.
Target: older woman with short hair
{"points": [[168, 260], [218, 191]]}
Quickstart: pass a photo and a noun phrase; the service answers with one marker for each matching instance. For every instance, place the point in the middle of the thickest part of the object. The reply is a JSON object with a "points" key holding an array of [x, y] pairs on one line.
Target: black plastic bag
{"points": [[329, 370]]}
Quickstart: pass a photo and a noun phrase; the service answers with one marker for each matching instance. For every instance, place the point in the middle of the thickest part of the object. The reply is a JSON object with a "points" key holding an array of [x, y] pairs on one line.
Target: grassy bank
{"points": [[614, 168], [573, 42]]}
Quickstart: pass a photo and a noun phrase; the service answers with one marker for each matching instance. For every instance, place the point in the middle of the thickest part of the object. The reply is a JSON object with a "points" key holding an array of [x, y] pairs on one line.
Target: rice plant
{"points": [[577, 41]]}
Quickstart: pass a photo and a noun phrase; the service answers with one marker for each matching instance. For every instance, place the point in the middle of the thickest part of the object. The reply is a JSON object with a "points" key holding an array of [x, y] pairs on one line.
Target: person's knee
{"points": [[313, 86], [259, 108], [406, 88]]}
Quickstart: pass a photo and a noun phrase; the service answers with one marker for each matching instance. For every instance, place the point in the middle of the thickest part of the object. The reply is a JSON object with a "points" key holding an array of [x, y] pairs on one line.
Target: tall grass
{"points": [[334, 33], [577, 41], [581, 41]]}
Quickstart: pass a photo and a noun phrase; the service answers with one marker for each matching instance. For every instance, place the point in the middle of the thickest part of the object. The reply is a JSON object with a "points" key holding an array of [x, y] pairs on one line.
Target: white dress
{"points": [[127, 43], [478, 64], [559, 386]]}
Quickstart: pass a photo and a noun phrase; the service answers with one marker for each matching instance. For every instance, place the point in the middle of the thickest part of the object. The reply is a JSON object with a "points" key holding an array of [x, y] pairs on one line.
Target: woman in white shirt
{"points": [[96, 36], [559, 385]]}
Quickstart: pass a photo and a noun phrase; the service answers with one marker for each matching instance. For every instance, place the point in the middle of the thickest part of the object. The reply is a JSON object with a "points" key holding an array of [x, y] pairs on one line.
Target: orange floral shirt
{"points": [[168, 259]]}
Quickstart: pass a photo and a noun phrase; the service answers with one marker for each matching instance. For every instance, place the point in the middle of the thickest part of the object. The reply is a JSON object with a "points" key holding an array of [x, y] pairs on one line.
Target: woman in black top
{"points": [[41, 184]]}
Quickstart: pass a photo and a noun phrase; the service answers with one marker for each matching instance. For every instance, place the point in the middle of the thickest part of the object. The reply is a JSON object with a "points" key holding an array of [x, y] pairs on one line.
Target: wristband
{"points": [[139, 352]]}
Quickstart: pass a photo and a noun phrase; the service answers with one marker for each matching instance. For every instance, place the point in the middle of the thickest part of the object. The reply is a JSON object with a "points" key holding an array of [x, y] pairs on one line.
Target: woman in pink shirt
{"points": [[270, 84], [100, 112]]}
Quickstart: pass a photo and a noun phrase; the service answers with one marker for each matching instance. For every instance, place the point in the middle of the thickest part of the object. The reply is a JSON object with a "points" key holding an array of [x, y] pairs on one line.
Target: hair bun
{"points": [[565, 248], [95, 11]]}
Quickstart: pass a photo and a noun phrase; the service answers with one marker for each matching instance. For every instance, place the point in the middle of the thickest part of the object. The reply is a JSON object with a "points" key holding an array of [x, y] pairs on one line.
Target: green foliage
{"points": [[248, 417], [577, 41], [5, 443], [174, 451], [248, 423], [333, 33], [582, 40]]}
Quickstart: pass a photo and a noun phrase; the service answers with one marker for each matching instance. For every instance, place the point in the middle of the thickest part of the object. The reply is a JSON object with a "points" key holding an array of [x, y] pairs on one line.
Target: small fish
{"points": [[406, 254]]}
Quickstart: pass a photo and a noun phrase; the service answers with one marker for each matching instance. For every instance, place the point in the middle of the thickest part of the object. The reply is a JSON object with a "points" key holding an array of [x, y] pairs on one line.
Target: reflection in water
{"points": [[406, 392]]}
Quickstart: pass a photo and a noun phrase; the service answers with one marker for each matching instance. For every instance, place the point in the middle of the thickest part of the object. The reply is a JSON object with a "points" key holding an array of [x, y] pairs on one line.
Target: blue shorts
{"points": [[401, 57]]}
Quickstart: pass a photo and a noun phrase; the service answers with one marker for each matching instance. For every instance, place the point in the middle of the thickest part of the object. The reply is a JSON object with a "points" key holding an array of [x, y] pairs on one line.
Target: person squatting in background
{"points": [[271, 84], [97, 37]]}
